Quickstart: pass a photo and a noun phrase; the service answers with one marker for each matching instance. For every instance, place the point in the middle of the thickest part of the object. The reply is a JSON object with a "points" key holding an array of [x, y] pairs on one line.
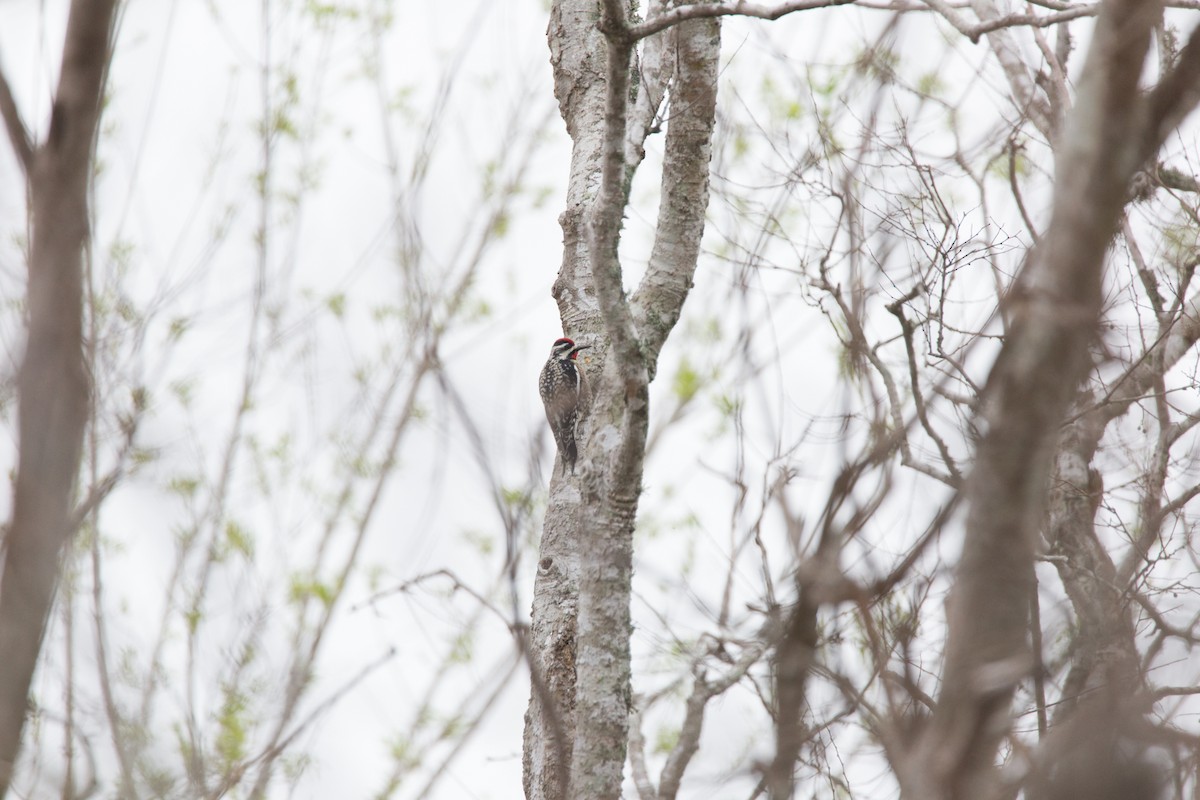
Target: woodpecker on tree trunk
{"points": [[562, 388]]}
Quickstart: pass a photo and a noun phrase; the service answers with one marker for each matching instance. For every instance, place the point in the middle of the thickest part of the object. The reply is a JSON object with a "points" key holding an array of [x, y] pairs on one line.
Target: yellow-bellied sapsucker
{"points": [[562, 387]]}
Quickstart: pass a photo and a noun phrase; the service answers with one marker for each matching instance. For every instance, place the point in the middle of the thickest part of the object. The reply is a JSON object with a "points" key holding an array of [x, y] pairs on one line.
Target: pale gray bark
{"points": [[52, 386]]}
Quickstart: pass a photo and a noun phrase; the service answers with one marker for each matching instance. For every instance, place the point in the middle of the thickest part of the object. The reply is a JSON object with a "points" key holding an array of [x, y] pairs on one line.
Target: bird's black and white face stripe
{"points": [[565, 350]]}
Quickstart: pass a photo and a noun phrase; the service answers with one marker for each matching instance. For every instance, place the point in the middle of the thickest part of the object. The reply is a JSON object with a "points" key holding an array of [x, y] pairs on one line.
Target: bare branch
{"points": [[1172, 99], [659, 298], [655, 66], [794, 657], [1179, 502], [1173, 343], [1174, 179], [17, 133], [884, 585], [976, 32], [456, 585], [689, 736], [906, 327], [320, 709], [738, 8], [1145, 274], [637, 756], [1016, 191], [704, 690], [1021, 80]]}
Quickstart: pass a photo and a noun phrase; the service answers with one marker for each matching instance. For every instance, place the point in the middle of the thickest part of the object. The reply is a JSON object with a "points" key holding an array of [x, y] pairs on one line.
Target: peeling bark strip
{"points": [[581, 618], [1056, 310], [52, 386]]}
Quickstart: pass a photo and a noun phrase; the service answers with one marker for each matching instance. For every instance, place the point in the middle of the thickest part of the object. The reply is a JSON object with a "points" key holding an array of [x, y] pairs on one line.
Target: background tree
{"points": [[259, 389], [52, 386]]}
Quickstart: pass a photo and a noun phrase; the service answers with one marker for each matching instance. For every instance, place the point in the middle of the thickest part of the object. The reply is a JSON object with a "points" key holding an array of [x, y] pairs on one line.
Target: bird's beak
{"points": [[579, 347]]}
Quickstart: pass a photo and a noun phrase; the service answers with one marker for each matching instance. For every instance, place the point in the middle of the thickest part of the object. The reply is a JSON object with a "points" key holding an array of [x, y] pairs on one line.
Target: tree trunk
{"points": [[580, 704], [577, 56], [52, 386]]}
